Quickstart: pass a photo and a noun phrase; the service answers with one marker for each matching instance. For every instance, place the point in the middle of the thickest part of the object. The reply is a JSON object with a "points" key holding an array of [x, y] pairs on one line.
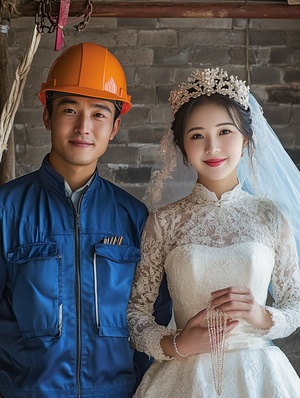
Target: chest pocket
{"points": [[35, 275], [114, 268]]}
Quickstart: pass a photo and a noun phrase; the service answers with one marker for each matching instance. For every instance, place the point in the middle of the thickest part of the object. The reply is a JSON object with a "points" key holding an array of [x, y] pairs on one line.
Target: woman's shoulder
{"points": [[261, 204]]}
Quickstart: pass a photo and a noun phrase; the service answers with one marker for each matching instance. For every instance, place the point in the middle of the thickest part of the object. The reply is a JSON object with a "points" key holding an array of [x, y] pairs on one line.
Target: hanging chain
{"points": [[44, 21], [47, 23], [86, 17]]}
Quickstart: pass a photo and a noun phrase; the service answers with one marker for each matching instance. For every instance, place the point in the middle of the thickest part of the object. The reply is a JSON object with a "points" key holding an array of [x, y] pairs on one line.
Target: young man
{"points": [[69, 246]]}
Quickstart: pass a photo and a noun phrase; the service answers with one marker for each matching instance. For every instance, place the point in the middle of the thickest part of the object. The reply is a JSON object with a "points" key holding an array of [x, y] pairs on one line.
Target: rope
{"points": [[11, 106]]}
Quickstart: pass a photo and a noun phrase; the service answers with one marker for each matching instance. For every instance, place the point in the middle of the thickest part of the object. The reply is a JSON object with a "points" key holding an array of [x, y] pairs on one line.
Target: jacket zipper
{"points": [[78, 306], [78, 297]]}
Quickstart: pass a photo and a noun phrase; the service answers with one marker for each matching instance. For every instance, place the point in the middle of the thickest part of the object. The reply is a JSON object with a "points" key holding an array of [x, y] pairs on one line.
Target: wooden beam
{"points": [[122, 9]]}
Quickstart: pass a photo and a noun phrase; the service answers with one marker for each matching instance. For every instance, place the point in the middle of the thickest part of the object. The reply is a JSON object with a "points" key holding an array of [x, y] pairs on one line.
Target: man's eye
{"points": [[69, 111], [99, 115]]}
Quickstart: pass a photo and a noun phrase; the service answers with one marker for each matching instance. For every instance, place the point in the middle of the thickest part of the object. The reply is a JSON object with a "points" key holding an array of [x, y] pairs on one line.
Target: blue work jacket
{"points": [[64, 288]]}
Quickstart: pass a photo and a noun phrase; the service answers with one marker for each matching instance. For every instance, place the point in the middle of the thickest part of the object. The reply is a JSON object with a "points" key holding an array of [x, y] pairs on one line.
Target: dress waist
{"points": [[246, 341]]}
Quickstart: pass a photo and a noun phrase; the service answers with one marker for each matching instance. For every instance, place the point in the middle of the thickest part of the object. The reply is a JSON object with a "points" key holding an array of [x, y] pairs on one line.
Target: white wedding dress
{"points": [[204, 244]]}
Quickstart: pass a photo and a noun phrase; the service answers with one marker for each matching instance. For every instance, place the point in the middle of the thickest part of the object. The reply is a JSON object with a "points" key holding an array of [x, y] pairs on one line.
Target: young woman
{"points": [[221, 248]]}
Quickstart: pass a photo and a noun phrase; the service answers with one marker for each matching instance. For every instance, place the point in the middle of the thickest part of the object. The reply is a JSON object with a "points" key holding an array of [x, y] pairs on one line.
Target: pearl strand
{"points": [[217, 327]]}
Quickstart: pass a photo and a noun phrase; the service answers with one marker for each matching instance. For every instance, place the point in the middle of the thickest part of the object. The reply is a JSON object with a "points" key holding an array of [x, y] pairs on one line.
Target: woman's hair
{"points": [[240, 117]]}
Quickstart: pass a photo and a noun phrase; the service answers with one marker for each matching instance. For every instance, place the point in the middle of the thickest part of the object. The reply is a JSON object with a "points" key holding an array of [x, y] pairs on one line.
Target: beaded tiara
{"points": [[208, 82]]}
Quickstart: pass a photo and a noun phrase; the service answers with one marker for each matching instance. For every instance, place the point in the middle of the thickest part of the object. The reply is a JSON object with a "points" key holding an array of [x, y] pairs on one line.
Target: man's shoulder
{"points": [[18, 184]]}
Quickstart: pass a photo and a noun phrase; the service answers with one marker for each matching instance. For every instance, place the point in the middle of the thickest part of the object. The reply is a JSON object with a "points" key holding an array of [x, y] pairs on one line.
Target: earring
{"points": [[186, 162]]}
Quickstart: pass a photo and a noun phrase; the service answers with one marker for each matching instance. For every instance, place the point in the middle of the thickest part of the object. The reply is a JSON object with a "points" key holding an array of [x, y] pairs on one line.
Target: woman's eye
{"points": [[225, 132], [197, 136]]}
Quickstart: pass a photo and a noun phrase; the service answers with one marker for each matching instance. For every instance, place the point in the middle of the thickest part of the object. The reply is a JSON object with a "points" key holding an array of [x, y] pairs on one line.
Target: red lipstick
{"points": [[214, 162]]}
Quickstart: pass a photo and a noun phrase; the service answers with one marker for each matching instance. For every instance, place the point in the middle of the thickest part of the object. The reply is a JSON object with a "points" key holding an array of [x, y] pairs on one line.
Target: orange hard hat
{"points": [[89, 70]]}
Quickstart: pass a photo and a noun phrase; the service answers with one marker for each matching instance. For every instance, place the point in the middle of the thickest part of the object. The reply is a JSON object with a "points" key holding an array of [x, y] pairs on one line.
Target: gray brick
{"points": [[205, 23], [212, 37], [153, 75], [264, 38], [209, 57], [266, 75], [158, 38], [110, 38], [163, 93], [277, 114], [34, 155], [160, 114], [295, 116], [239, 23], [120, 154], [274, 24], [292, 75], [134, 56], [172, 56], [147, 154], [286, 135], [259, 56], [284, 94], [29, 116], [143, 23], [292, 38], [281, 56], [143, 95], [37, 136], [237, 55], [297, 57], [138, 115], [136, 190], [101, 23], [132, 175], [178, 23], [146, 134]]}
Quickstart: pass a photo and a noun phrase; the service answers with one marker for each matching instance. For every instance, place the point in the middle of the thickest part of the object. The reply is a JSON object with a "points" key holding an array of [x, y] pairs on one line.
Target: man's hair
{"points": [[51, 95]]}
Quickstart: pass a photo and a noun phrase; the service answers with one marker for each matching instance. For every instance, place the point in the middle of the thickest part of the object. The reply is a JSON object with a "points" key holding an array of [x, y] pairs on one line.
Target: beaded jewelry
{"points": [[208, 82], [217, 327], [176, 348]]}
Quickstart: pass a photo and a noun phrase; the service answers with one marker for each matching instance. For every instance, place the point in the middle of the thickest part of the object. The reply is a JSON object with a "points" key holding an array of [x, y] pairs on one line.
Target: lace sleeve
{"points": [[144, 332], [285, 311]]}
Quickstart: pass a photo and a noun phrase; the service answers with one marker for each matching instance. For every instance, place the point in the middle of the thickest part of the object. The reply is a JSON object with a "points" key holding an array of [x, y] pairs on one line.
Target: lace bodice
{"points": [[204, 244]]}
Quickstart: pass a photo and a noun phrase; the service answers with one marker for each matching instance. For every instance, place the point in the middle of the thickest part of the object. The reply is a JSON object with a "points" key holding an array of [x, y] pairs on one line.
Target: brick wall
{"points": [[157, 54]]}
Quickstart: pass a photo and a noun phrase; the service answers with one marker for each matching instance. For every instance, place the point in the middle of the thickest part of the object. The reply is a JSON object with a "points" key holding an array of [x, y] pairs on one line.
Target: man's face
{"points": [[81, 128]]}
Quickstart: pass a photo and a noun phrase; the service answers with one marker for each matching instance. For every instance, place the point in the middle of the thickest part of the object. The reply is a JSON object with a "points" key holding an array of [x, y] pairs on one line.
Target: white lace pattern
{"points": [[204, 244]]}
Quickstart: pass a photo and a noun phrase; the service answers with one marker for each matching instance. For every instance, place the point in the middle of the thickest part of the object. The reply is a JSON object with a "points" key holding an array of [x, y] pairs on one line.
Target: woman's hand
{"points": [[193, 339], [238, 302]]}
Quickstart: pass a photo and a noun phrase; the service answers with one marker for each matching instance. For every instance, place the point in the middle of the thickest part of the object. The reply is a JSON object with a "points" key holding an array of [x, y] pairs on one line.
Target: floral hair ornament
{"points": [[208, 82]]}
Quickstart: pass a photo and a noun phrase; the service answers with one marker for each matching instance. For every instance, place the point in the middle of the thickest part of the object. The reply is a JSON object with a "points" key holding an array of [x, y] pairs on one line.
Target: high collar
{"points": [[201, 194]]}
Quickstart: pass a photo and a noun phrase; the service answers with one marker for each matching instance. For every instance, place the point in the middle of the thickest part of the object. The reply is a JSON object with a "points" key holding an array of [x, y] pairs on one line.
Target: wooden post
{"points": [[7, 165]]}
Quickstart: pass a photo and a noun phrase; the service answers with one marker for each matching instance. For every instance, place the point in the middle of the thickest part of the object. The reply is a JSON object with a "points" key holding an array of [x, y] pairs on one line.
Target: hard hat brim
{"points": [[87, 92]]}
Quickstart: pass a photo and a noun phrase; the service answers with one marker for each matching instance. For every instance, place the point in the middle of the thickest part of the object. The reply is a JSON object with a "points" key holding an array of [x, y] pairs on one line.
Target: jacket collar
{"points": [[51, 179]]}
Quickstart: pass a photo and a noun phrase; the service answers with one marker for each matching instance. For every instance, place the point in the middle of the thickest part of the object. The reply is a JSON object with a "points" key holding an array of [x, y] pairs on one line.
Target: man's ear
{"points": [[115, 129], [46, 119]]}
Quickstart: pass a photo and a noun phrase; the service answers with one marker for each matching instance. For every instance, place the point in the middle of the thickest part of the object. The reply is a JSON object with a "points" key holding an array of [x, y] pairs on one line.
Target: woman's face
{"points": [[213, 145]]}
